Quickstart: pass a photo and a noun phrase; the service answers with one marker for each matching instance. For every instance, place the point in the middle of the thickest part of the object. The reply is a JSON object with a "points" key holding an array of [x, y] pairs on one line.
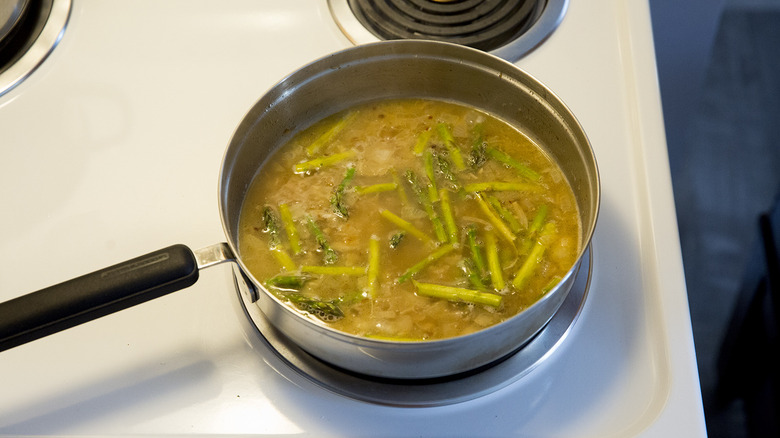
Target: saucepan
{"points": [[389, 69]]}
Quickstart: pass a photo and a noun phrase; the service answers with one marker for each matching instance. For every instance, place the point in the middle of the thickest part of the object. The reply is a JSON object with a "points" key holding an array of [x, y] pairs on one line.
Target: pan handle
{"points": [[106, 291]]}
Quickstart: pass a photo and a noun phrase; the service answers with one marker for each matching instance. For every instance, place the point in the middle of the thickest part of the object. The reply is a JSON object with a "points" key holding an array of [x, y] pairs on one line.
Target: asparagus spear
{"points": [[478, 154], [446, 171], [290, 228], [534, 258], [476, 250], [396, 239], [337, 200], [449, 142], [405, 225], [426, 204], [505, 214], [500, 186], [329, 134], [473, 276], [433, 193], [495, 220], [449, 219], [451, 293], [422, 142], [271, 226], [534, 227], [376, 188], [331, 256], [521, 168], [295, 282], [422, 264], [494, 264], [333, 270], [401, 191], [324, 161], [325, 310]]}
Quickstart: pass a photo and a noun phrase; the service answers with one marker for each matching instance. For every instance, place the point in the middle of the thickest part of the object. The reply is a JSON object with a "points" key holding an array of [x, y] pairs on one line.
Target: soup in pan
{"points": [[410, 219]]}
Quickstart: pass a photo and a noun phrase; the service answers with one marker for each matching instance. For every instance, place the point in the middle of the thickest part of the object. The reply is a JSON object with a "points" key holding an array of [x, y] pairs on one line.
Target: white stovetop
{"points": [[112, 148]]}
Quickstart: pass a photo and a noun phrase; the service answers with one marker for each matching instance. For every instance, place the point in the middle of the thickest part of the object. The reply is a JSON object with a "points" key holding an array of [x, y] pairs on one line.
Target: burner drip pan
{"points": [[427, 392]]}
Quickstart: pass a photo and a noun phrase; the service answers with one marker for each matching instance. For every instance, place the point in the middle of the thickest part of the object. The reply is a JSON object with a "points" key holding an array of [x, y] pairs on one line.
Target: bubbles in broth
{"points": [[410, 220]]}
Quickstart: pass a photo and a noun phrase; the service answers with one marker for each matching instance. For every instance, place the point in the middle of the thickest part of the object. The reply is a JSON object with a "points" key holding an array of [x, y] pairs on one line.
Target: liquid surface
{"points": [[410, 220]]}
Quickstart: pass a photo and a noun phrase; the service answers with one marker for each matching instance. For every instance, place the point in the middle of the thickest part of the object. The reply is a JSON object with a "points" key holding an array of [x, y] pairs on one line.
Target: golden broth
{"points": [[499, 188]]}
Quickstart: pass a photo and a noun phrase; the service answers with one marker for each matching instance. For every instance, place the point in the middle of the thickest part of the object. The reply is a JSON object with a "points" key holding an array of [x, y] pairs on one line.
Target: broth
{"points": [[410, 219]]}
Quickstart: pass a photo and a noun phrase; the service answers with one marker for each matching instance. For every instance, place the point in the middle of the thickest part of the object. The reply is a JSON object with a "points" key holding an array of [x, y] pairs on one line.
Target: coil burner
{"points": [[509, 28]]}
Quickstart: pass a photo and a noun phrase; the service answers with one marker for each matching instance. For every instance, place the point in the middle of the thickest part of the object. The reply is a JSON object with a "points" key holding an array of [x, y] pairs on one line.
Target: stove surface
{"points": [[112, 148]]}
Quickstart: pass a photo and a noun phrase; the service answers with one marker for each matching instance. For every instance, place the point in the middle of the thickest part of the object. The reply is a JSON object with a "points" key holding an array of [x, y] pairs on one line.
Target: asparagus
{"points": [[476, 250], [473, 276], [449, 219], [376, 188], [324, 161], [445, 167], [422, 142], [499, 186], [494, 264], [290, 228], [337, 200], [521, 168], [451, 293], [331, 256], [283, 258], [325, 310], [329, 134], [422, 264], [449, 142], [427, 205], [433, 193], [478, 154], [405, 225], [396, 239], [295, 282], [533, 260], [505, 214], [534, 227], [271, 226], [373, 266], [333, 270], [401, 191], [500, 226]]}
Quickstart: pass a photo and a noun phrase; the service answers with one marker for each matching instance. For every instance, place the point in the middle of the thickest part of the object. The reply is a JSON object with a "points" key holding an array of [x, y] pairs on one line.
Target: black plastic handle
{"points": [[100, 293]]}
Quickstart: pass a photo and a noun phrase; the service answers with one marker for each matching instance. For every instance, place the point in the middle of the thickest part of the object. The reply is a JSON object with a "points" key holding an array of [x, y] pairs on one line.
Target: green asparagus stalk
{"points": [[499, 186], [331, 256], [295, 282], [422, 264], [457, 294], [449, 218], [271, 226], [284, 259], [427, 205], [473, 276], [533, 260], [500, 226], [521, 168], [373, 266], [449, 142], [478, 154], [422, 142], [534, 227], [494, 263], [324, 161], [338, 200], [405, 225], [476, 250], [433, 193], [329, 134], [326, 310], [376, 188], [290, 228], [333, 270], [505, 214], [396, 239], [400, 188], [445, 167]]}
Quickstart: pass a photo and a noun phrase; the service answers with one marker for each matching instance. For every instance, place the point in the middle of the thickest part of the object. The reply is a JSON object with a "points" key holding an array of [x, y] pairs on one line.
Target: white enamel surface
{"points": [[112, 148]]}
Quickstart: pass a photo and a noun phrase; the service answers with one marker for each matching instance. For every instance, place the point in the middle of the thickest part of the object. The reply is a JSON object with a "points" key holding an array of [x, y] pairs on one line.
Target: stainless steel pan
{"points": [[357, 75]]}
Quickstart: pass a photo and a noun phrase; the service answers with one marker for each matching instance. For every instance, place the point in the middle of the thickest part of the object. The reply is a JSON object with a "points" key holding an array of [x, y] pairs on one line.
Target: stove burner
{"points": [[482, 24], [29, 30], [424, 392], [508, 28]]}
